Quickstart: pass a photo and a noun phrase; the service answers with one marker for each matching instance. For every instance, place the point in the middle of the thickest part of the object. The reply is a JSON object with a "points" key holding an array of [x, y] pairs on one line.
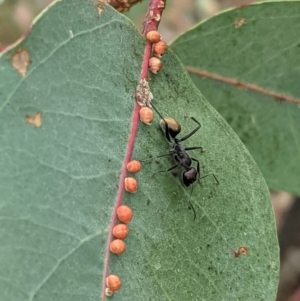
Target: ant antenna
{"points": [[191, 203], [158, 113], [168, 135]]}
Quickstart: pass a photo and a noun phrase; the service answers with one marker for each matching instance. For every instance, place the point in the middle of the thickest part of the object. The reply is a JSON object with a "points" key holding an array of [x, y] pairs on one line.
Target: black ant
{"points": [[171, 129]]}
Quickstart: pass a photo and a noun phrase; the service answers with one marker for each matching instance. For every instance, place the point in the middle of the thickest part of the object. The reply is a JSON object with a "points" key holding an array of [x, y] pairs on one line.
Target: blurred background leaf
{"points": [[264, 51]]}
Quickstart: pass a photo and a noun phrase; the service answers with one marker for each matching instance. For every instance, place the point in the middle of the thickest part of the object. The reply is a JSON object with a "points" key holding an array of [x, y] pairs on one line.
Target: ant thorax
{"points": [[180, 155]]}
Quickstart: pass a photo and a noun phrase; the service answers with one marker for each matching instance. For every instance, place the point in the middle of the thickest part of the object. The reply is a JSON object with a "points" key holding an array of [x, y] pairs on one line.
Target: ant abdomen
{"points": [[173, 126]]}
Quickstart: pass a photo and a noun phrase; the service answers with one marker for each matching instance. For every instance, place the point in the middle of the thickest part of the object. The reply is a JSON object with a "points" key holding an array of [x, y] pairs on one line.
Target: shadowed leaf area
{"points": [[256, 45], [64, 129]]}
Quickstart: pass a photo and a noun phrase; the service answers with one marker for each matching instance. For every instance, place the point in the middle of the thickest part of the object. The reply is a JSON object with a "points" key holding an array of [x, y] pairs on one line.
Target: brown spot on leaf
{"points": [[240, 23], [100, 6], [20, 61], [36, 120], [241, 251]]}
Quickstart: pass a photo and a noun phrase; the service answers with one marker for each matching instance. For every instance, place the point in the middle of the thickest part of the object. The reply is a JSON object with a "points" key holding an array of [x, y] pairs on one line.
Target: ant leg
{"points": [[198, 166], [172, 167], [192, 132], [195, 147], [211, 174], [169, 169], [164, 155], [191, 205]]}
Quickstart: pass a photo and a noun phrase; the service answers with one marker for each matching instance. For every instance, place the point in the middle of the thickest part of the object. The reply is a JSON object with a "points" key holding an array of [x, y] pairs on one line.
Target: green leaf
{"points": [[264, 52], [59, 181]]}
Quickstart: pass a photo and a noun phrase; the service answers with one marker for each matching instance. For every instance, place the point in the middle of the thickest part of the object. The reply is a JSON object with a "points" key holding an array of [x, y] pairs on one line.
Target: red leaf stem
{"points": [[151, 22]]}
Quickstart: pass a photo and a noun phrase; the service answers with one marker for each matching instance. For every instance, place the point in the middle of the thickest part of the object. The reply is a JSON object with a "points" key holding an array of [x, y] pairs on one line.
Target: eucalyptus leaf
{"points": [[64, 129]]}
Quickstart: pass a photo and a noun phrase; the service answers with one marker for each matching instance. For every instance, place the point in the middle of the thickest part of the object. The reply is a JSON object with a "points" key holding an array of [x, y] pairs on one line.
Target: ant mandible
{"points": [[171, 129]]}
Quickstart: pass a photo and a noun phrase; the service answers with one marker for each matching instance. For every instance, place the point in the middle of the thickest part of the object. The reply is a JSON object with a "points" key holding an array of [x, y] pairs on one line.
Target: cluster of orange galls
{"points": [[121, 231], [124, 213], [158, 49]]}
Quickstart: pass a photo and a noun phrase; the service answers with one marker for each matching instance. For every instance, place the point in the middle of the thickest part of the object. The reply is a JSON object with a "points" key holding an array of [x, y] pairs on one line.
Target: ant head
{"points": [[173, 126], [189, 176]]}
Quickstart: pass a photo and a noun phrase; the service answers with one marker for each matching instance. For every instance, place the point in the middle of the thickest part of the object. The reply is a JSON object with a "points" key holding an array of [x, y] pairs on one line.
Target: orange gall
{"points": [[124, 214], [117, 246], [134, 166], [131, 185], [153, 36], [120, 231], [146, 115], [155, 65], [113, 282], [159, 48]]}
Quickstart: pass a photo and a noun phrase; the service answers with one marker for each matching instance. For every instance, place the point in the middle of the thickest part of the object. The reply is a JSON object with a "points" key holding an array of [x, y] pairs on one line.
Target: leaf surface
{"points": [[59, 179], [255, 45]]}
